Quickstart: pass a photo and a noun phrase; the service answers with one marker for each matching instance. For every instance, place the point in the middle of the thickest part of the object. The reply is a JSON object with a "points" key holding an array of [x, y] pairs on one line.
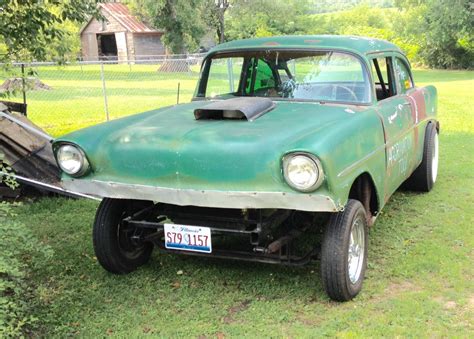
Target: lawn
{"points": [[419, 281], [76, 97]]}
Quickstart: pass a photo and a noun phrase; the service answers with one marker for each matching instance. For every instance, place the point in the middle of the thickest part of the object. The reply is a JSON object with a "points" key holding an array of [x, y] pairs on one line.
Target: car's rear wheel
{"points": [[424, 177], [344, 252], [115, 241]]}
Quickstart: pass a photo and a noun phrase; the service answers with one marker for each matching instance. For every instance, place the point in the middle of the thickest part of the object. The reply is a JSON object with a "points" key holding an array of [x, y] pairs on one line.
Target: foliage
{"points": [[5, 174], [259, 18], [326, 6], [436, 33], [179, 19], [18, 246], [37, 30], [444, 31]]}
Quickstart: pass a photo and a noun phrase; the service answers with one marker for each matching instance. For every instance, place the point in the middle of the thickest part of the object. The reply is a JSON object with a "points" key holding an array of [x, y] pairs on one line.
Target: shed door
{"points": [[122, 51]]}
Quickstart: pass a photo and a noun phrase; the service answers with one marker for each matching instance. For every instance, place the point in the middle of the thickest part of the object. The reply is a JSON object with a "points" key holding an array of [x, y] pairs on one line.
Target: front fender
{"points": [[347, 149]]}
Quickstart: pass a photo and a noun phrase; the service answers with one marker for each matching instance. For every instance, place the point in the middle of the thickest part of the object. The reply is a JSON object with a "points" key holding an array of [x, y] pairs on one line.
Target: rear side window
{"points": [[383, 75], [404, 76], [263, 77]]}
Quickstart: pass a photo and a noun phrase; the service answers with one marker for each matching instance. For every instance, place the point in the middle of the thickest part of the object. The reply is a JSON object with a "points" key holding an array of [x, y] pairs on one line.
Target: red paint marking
{"points": [[271, 43], [418, 113], [419, 99]]}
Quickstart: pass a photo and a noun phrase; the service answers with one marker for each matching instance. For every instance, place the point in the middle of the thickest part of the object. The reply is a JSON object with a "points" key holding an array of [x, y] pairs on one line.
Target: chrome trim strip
{"points": [[53, 187], [205, 198], [392, 141], [363, 159]]}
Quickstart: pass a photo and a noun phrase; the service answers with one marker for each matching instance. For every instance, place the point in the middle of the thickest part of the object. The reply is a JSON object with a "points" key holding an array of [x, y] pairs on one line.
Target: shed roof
{"points": [[129, 22], [357, 44]]}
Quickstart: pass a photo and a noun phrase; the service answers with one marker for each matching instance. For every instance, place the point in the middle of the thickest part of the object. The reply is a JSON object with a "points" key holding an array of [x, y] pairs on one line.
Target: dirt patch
{"points": [[395, 289], [307, 321], [470, 303], [172, 66], [31, 84], [449, 305], [234, 310]]}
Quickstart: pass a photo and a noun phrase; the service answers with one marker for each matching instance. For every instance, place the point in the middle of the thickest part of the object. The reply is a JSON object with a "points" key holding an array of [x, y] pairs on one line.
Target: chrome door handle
{"points": [[400, 106]]}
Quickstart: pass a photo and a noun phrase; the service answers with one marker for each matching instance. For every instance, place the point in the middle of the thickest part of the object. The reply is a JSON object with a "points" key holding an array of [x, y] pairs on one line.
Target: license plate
{"points": [[188, 238]]}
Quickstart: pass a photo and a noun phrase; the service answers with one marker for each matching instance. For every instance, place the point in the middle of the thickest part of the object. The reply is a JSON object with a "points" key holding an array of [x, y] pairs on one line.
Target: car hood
{"points": [[168, 147]]}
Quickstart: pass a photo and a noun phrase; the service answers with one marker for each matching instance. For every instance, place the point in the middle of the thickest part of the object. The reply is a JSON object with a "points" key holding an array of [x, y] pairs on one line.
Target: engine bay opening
{"points": [[263, 235]]}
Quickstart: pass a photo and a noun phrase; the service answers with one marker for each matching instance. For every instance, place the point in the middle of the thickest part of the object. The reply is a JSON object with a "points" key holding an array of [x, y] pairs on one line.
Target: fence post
{"points": [[230, 71], [106, 106], [23, 83], [177, 95]]}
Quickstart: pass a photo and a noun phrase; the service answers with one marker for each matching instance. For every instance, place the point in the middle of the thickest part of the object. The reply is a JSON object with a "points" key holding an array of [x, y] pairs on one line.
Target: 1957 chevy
{"points": [[288, 151]]}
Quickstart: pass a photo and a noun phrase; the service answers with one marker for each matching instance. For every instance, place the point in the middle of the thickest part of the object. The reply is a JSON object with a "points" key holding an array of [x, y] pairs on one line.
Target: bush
{"points": [[19, 251]]}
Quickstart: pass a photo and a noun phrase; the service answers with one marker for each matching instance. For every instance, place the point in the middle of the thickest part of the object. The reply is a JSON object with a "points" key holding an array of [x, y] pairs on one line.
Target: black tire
{"points": [[114, 249], [423, 178], [337, 280]]}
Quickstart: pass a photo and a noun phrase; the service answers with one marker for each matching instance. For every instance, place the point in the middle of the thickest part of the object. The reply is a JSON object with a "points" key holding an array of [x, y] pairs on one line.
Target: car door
{"points": [[395, 112], [416, 97]]}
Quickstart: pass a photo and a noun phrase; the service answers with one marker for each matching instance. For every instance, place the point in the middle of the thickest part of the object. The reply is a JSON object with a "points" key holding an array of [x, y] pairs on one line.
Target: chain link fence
{"points": [[63, 98]]}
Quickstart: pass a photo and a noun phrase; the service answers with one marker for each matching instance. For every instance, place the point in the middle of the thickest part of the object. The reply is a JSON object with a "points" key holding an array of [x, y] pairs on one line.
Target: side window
{"points": [[383, 75], [283, 75], [404, 76]]}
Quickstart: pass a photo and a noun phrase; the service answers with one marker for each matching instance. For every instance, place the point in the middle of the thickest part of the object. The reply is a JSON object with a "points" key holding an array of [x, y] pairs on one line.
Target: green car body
{"points": [[168, 155]]}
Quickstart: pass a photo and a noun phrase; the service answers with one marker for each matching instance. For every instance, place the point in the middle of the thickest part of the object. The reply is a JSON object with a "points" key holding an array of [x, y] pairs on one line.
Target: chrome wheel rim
{"points": [[356, 251], [434, 163]]}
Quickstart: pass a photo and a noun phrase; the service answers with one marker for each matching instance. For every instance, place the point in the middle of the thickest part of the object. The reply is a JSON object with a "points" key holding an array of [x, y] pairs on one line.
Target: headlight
{"points": [[72, 160], [302, 171]]}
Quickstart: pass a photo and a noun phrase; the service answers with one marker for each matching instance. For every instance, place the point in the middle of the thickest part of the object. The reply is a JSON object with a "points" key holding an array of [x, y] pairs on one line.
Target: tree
{"points": [[444, 31], [256, 18], [180, 19], [221, 7], [29, 28]]}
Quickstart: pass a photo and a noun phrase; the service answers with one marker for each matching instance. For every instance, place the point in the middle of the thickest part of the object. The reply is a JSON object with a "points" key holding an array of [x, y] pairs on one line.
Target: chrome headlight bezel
{"points": [[83, 167], [313, 160]]}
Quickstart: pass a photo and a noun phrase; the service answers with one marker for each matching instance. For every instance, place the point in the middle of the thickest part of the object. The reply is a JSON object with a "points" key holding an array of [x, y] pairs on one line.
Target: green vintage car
{"points": [[288, 151]]}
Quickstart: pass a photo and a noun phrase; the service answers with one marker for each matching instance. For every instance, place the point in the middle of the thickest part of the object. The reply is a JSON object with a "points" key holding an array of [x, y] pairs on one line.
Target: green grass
{"points": [[76, 97], [419, 282]]}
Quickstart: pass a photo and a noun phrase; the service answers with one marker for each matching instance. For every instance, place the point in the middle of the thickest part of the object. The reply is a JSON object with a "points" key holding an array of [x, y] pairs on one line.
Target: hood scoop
{"points": [[244, 108]]}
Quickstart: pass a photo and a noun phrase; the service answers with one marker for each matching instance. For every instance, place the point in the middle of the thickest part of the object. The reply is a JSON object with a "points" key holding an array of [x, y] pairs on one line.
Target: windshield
{"points": [[290, 75]]}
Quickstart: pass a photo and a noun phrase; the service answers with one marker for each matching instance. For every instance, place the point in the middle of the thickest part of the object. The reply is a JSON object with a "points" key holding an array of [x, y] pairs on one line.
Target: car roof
{"points": [[355, 44]]}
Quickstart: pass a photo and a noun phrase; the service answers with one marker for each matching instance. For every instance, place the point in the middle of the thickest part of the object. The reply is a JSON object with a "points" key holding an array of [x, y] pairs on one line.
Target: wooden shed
{"points": [[120, 37]]}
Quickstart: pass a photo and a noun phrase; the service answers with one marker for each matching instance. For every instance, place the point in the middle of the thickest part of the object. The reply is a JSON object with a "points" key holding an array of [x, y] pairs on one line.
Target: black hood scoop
{"points": [[244, 108]]}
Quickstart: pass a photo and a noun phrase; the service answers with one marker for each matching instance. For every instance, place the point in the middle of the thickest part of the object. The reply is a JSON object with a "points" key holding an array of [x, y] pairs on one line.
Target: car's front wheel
{"points": [[115, 244], [344, 252]]}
